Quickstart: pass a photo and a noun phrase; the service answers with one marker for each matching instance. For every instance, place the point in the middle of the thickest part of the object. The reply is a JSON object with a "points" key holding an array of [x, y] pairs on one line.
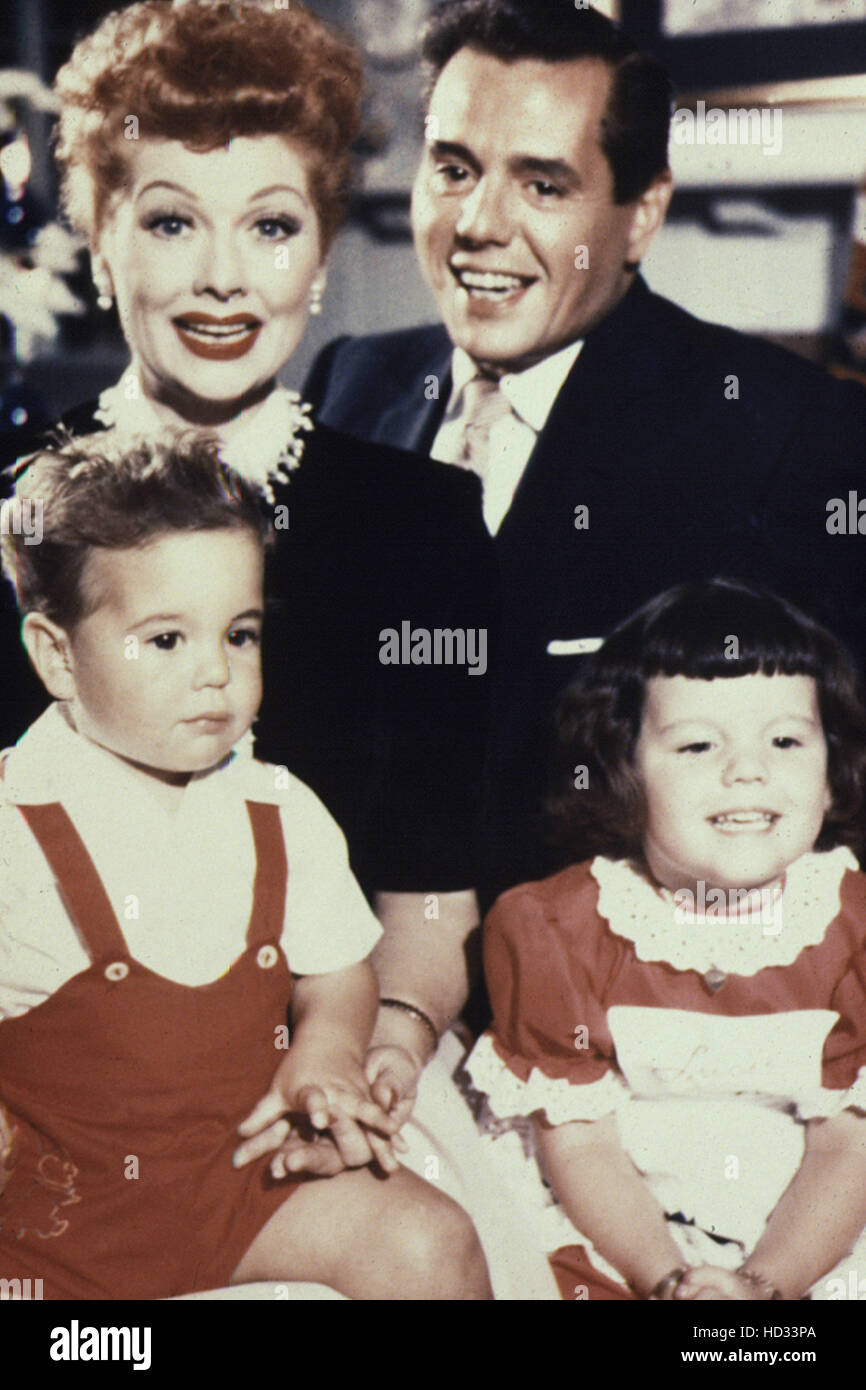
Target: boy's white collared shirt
{"points": [[180, 882], [531, 394]]}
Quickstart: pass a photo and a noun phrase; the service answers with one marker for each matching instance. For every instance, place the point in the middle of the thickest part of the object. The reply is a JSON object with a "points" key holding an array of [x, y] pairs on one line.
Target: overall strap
{"points": [[79, 884], [272, 874]]}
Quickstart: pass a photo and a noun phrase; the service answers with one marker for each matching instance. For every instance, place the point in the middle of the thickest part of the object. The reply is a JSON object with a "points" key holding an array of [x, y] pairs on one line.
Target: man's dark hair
{"points": [[636, 124]]}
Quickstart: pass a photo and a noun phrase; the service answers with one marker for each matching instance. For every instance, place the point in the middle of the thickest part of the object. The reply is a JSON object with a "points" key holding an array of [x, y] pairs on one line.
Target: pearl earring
{"points": [[104, 301], [316, 293]]}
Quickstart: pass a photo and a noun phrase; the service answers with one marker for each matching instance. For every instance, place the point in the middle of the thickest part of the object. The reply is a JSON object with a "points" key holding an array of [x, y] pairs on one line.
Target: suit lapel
{"points": [[629, 355], [403, 423]]}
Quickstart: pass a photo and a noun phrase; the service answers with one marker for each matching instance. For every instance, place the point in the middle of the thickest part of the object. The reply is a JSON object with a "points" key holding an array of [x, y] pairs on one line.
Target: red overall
{"points": [[127, 1088]]}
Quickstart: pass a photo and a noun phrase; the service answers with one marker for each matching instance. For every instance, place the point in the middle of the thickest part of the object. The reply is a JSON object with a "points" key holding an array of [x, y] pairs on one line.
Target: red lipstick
{"points": [[217, 339]]}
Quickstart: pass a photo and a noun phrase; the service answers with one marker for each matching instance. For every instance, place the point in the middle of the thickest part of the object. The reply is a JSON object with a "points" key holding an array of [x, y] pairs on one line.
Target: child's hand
{"points": [[8, 1134], [334, 1122], [393, 1077], [708, 1282]]}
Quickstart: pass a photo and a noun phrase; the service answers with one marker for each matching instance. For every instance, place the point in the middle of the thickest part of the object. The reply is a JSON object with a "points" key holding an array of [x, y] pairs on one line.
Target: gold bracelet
{"points": [[671, 1281], [758, 1281], [414, 1013]]}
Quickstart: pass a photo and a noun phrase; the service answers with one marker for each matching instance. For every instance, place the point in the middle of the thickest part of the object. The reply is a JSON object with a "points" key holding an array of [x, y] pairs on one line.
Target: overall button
{"points": [[117, 971], [267, 956]]}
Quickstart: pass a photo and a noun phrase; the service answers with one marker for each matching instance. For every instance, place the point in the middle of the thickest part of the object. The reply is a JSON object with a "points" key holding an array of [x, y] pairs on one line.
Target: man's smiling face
{"points": [[513, 182]]}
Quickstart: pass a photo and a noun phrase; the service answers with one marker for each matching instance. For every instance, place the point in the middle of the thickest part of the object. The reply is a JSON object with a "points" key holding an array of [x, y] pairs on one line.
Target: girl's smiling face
{"points": [[212, 256], [734, 773]]}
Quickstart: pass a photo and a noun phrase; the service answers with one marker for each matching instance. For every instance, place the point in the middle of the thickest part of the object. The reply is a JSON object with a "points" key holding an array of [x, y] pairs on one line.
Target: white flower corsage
{"points": [[270, 447], [264, 450]]}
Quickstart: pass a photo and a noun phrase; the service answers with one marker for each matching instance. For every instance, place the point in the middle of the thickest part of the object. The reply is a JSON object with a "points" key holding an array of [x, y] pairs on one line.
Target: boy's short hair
{"points": [[687, 631], [92, 493]]}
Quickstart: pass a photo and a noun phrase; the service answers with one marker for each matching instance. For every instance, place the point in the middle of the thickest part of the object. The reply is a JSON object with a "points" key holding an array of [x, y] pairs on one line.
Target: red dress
{"points": [[590, 1020], [126, 1089]]}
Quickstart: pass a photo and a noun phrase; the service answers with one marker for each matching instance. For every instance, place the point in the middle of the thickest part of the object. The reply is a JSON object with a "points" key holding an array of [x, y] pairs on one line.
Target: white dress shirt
{"points": [[180, 881], [530, 394]]}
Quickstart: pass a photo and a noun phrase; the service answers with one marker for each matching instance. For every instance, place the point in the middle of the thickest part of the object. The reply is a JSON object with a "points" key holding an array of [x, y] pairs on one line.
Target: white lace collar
{"points": [[661, 930], [265, 450]]}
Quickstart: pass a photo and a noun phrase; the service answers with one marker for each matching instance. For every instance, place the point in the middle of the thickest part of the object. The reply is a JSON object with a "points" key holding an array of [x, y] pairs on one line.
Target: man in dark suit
{"points": [[624, 445]]}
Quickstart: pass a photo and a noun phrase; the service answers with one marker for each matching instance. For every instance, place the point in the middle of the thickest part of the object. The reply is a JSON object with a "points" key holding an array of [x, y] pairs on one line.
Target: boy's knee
{"points": [[439, 1244]]}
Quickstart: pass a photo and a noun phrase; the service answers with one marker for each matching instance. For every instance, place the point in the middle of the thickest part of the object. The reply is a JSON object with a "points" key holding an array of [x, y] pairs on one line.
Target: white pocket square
{"points": [[578, 646]]}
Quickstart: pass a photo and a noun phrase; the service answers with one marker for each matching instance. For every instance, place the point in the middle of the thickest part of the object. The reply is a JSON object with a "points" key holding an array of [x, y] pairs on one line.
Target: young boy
{"points": [[162, 895]]}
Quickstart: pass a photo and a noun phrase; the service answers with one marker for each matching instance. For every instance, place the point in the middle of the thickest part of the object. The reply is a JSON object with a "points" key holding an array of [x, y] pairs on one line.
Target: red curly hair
{"points": [[203, 72]]}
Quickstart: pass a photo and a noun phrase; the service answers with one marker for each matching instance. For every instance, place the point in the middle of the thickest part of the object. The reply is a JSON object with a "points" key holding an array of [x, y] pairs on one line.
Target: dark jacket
{"points": [[698, 451]]}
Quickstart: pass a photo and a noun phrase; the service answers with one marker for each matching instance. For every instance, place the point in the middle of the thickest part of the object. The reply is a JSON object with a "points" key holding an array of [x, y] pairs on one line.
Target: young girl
{"points": [[157, 887], [684, 1014]]}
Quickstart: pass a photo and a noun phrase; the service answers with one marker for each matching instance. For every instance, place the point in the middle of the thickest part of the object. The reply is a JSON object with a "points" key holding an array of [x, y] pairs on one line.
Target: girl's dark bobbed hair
{"points": [[718, 629]]}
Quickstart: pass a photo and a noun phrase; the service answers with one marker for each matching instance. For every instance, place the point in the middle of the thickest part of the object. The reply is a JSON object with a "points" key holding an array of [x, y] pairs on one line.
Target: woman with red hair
{"points": [[204, 149]]}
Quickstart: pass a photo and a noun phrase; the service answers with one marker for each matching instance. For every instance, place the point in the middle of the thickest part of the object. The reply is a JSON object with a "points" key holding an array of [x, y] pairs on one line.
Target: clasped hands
{"points": [[323, 1118]]}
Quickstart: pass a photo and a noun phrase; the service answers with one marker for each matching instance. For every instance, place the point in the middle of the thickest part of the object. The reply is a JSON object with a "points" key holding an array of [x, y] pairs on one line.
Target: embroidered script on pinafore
{"points": [[54, 1175]]}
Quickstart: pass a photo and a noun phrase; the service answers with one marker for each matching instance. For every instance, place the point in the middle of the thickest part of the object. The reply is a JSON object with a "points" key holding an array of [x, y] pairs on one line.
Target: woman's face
{"points": [[211, 256]]}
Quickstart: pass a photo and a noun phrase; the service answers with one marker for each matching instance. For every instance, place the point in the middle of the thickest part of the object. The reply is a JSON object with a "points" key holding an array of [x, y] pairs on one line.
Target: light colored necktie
{"points": [[483, 406]]}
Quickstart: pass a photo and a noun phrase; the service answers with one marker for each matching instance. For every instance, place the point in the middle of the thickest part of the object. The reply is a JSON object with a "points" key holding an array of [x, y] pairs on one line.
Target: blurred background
{"points": [[772, 244]]}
